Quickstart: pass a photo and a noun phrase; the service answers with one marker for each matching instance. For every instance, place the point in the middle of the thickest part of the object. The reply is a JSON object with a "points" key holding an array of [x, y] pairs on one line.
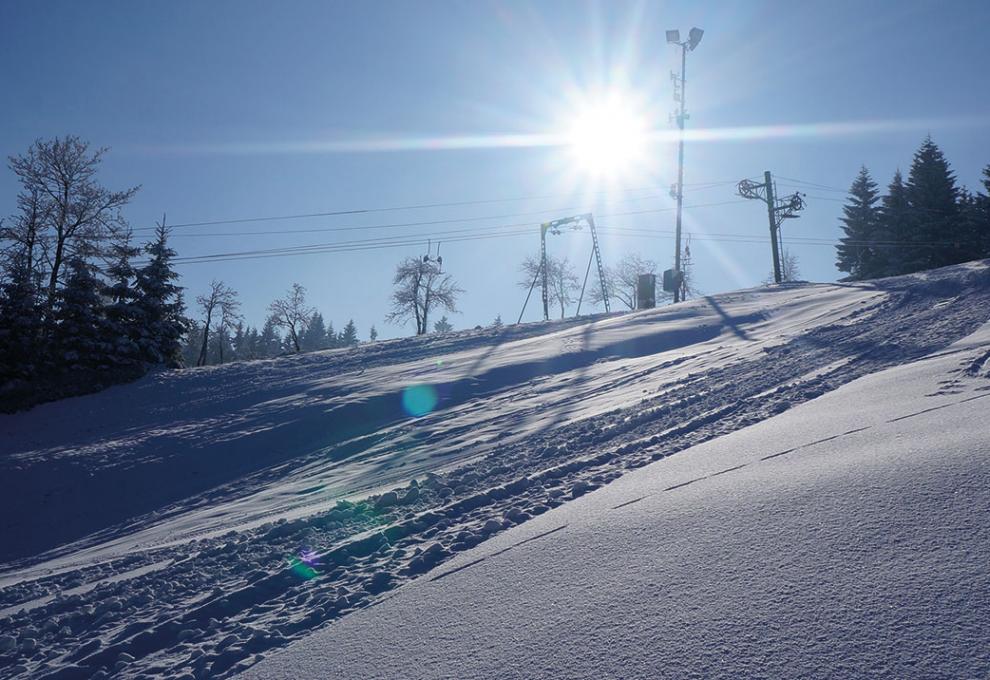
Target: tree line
{"points": [[77, 310], [923, 222], [221, 336]]}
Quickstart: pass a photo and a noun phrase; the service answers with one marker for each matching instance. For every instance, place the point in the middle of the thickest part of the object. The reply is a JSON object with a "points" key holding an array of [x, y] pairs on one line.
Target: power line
{"points": [[425, 223], [419, 206], [816, 185], [410, 239]]}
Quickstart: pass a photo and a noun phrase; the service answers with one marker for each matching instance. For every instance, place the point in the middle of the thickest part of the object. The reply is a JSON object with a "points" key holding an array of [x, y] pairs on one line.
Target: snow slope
{"points": [[194, 521], [848, 537]]}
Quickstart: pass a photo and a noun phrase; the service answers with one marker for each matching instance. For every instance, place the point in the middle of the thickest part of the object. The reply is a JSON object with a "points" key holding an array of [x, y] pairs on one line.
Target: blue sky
{"points": [[228, 110]]}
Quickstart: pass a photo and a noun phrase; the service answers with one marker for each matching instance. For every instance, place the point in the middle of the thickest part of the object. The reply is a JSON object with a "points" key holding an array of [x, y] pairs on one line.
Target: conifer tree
{"points": [[855, 253], [269, 342], [895, 229], [443, 325], [21, 334], [349, 336], [933, 201], [373, 334], [160, 305], [81, 334], [315, 336], [982, 209], [121, 308]]}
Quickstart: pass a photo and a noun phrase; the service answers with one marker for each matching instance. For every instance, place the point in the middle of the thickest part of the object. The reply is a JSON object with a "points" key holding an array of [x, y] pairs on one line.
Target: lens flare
{"points": [[418, 400]]}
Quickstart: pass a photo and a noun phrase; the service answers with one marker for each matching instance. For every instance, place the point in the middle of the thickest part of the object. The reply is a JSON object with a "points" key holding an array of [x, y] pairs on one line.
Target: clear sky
{"points": [[229, 110]]}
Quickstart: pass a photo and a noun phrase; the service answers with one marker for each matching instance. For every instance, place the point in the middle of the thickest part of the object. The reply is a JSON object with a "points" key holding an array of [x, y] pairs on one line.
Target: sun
{"points": [[608, 138]]}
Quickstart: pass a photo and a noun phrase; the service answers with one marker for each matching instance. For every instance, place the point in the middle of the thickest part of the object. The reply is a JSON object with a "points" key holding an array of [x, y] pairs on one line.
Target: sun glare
{"points": [[608, 138]]}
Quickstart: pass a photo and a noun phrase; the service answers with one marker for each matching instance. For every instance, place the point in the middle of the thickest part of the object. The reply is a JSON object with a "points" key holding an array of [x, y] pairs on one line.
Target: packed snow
{"points": [[194, 522]]}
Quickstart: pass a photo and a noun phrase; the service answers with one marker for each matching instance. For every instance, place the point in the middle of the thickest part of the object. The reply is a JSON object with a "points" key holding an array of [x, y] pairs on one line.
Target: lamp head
{"points": [[694, 37], [673, 37]]}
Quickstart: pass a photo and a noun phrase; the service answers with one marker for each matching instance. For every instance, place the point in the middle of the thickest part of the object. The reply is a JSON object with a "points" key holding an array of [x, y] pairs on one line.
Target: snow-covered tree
{"points": [[75, 212], [420, 288], [373, 334], [292, 314], [160, 308], [81, 334], [122, 302], [22, 341], [222, 302]]}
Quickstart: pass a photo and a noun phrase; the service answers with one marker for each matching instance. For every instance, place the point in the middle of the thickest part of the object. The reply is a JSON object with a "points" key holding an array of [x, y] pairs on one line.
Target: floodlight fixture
{"points": [[694, 37], [673, 37]]}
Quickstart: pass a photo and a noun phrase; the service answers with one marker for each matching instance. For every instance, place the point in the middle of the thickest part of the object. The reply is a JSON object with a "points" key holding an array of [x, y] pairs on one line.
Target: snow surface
{"points": [[193, 522], [848, 537]]}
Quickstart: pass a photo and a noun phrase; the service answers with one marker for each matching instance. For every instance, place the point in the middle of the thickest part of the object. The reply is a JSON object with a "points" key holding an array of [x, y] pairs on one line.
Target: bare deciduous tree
{"points": [[291, 313], [222, 299], [790, 269], [562, 280], [74, 212], [420, 288], [622, 280]]}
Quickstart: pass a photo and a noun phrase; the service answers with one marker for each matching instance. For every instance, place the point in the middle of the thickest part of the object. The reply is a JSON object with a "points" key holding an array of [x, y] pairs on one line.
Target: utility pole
{"points": [[778, 210], [674, 38]]}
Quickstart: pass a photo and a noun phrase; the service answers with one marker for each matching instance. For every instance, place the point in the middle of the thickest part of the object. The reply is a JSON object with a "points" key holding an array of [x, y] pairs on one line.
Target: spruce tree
{"points": [[81, 334], [933, 200], [373, 334], [895, 228], [983, 214], [269, 342], [121, 308], [856, 253], [160, 305], [443, 325], [315, 336], [21, 332], [349, 336]]}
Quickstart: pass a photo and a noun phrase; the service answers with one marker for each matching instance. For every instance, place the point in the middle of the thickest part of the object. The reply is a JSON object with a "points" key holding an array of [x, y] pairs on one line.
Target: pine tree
{"points": [[933, 200], [497, 323], [21, 337], [333, 341], [252, 344], [983, 215], [269, 342], [895, 229], [121, 308], [856, 252], [81, 333], [160, 305], [349, 336], [373, 334], [315, 337], [443, 325]]}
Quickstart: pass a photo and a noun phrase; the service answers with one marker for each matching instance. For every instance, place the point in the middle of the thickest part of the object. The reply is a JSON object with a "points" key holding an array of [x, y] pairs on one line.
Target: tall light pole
{"points": [[674, 38]]}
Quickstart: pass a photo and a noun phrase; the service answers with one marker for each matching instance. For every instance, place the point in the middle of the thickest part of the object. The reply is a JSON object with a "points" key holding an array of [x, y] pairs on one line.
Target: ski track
{"points": [[212, 603]]}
